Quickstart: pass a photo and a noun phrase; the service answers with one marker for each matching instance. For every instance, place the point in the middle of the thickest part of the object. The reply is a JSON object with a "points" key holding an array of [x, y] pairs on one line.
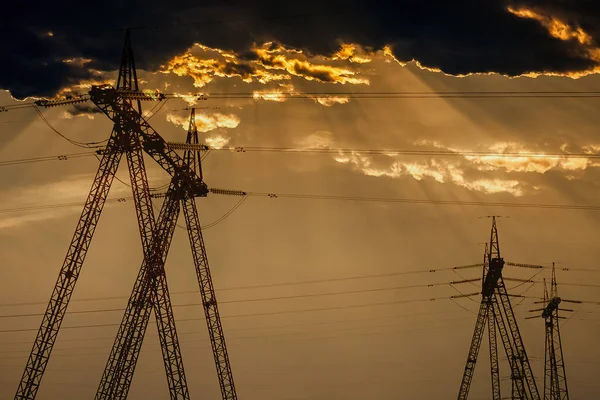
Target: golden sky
{"points": [[372, 340]]}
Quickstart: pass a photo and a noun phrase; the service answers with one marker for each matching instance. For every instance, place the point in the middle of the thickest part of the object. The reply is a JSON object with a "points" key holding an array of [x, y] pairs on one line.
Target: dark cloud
{"points": [[82, 109], [458, 37]]}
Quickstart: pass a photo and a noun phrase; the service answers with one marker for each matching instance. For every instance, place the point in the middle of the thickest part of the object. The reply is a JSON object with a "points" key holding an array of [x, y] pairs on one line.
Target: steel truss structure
{"points": [[132, 136], [496, 312], [555, 376]]}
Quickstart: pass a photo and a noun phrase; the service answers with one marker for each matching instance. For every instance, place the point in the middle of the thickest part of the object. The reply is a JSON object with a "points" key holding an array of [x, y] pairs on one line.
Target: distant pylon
{"points": [[555, 376]]}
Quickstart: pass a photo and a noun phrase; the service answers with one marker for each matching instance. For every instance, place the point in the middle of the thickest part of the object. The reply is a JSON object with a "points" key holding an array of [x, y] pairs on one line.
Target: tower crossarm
{"points": [[118, 109], [70, 270]]}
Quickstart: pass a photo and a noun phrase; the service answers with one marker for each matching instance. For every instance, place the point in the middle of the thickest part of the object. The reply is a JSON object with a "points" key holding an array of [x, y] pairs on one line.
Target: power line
{"points": [[366, 95], [298, 296], [424, 201], [392, 200], [267, 313], [87, 145], [387, 152], [263, 327], [59, 157], [287, 284]]}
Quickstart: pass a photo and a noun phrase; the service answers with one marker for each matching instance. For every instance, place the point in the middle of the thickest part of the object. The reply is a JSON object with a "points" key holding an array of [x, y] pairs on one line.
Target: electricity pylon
{"points": [[131, 136], [496, 312], [555, 376]]}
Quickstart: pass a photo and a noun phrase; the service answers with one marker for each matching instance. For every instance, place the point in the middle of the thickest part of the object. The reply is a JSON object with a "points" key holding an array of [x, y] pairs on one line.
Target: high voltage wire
{"points": [[87, 145], [424, 201], [305, 282], [263, 327], [408, 95], [267, 313], [59, 157], [270, 334], [286, 284], [372, 95], [281, 334], [387, 152], [392, 200], [299, 296]]}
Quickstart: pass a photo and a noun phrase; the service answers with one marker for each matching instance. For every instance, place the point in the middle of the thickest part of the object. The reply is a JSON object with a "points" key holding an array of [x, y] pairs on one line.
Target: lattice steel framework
{"points": [[496, 312], [555, 376], [133, 136]]}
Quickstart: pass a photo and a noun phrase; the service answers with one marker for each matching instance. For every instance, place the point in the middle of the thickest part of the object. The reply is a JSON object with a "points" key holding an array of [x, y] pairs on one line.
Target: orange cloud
{"points": [[352, 53], [274, 63], [329, 101], [296, 64], [206, 123], [563, 31], [556, 28]]}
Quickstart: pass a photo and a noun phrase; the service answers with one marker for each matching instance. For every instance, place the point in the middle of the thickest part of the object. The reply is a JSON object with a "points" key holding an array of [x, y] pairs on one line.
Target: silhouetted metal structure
{"points": [[555, 376], [131, 136], [496, 312]]}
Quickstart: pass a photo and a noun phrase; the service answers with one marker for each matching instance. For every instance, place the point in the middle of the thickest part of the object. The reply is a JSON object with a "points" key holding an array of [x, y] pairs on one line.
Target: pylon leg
{"points": [[520, 352], [493, 343], [69, 272], [120, 367], [209, 300], [517, 383], [157, 292]]}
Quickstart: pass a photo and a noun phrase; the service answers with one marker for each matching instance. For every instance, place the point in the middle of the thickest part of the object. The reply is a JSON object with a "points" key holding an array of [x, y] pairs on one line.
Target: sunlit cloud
{"points": [[297, 64], [556, 28], [440, 171], [329, 101], [316, 140], [514, 157], [204, 64], [217, 141], [204, 122], [277, 95], [562, 31], [352, 53]]}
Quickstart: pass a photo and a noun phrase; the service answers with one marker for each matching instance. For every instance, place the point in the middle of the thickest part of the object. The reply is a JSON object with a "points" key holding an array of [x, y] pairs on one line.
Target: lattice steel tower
{"points": [[495, 312], [132, 136], [555, 376]]}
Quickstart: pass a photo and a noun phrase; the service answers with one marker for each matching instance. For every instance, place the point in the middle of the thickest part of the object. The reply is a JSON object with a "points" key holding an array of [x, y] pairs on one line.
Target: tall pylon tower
{"points": [[555, 376], [495, 312], [132, 136]]}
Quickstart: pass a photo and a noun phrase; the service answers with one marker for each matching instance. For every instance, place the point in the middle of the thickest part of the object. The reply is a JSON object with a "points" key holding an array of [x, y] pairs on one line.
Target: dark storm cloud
{"points": [[458, 37], [82, 109]]}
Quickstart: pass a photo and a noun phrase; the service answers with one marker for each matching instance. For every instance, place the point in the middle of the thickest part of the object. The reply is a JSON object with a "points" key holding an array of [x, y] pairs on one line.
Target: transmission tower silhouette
{"points": [[555, 376], [496, 312], [132, 136]]}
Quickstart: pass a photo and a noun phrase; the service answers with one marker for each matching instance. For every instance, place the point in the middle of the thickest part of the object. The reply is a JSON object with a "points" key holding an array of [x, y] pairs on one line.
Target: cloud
{"points": [[329, 101], [268, 63], [205, 70], [441, 171], [205, 122], [296, 64], [73, 189], [504, 170], [81, 110], [458, 38]]}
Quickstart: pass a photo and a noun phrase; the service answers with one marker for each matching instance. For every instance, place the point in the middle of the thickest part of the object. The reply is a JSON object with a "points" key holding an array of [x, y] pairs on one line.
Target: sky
{"points": [[291, 76]]}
